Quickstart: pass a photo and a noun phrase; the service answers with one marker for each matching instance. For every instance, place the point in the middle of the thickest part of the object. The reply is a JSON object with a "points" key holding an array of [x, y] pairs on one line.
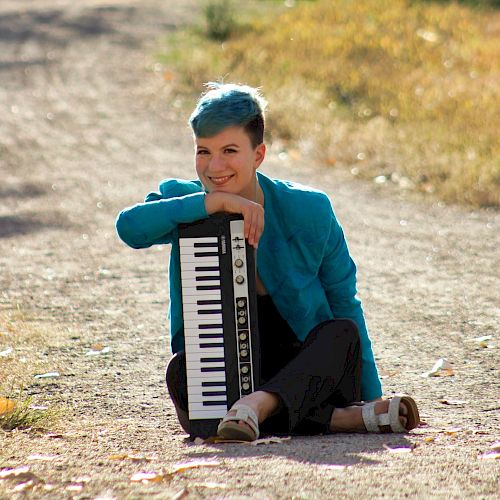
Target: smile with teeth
{"points": [[220, 180]]}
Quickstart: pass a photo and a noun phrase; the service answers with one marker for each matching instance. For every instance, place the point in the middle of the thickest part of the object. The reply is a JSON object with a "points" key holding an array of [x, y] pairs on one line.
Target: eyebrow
{"points": [[232, 145]]}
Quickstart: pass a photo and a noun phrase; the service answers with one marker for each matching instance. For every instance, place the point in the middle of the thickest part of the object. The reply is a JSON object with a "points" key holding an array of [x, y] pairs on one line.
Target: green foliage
{"points": [[220, 19], [388, 87], [27, 416]]}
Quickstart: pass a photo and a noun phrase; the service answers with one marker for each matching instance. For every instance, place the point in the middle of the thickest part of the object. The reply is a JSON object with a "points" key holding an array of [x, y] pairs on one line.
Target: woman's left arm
{"points": [[338, 277]]}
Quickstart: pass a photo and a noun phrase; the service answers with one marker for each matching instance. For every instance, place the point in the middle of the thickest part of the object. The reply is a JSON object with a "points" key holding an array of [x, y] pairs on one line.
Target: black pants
{"points": [[310, 378]]}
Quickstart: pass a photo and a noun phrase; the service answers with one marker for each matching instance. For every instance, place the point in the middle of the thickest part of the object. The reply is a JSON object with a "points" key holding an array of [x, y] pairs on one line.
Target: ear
{"points": [[260, 154]]}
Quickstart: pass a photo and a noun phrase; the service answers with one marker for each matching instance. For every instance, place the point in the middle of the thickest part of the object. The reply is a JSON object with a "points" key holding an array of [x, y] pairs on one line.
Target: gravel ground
{"points": [[87, 127]]}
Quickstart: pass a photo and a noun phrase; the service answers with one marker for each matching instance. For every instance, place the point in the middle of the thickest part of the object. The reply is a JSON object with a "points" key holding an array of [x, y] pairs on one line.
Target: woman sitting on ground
{"points": [[317, 365]]}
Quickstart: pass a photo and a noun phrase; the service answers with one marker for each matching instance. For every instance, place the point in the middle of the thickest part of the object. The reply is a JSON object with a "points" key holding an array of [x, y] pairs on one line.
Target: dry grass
{"points": [[407, 90], [23, 341]]}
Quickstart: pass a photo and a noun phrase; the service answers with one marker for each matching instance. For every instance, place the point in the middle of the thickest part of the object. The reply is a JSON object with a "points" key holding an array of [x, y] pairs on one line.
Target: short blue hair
{"points": [[229, 105]]}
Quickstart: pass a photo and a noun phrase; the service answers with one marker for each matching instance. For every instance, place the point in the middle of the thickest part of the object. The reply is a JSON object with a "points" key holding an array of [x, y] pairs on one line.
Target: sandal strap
{"points": [[376, 423], [245, 414], [370, 419]]}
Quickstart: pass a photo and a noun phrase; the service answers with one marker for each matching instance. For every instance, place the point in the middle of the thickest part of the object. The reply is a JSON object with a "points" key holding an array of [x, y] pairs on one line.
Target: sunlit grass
{"points": [[386, 87], [26, 415], [23, 339]]}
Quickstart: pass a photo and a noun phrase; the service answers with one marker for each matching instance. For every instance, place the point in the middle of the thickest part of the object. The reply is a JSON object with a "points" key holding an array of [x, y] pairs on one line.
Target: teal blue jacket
{"points": [[302, 259]]}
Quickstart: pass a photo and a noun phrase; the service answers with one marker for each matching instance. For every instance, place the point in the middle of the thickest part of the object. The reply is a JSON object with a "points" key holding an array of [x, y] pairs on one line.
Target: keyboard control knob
{"points": [[241, 303], [246, 386], [243, 336], [244, 369], [243, 353], [238, 263], [242, 320], [240, 279]]}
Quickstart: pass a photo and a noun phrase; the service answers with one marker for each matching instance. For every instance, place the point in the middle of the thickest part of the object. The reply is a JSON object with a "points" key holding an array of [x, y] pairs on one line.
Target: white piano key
{"points": [[215, 295], [204, 409], [195, 307], [197, 267], [206, 260], [199, 390], [209, 351], [186, 242], [196, 333], [193, 291], [196, 284], [201, 319], [197, 356], [192, 274], [218, 412], [196, 323], [193, 344], [195, 379]]}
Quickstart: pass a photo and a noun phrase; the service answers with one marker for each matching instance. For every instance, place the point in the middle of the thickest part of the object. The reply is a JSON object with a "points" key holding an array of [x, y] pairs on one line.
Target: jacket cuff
{"points": [[192, 208]]}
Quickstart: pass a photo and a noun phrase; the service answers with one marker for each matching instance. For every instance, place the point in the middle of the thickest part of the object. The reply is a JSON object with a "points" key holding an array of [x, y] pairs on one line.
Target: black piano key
{"points": [[208, 302], [210, 311], [207, 278], [211, 336], [212, 360], [214, 403], [209, 327], [211, 345], [208, 369], [206, 254], [214, 393], [213, 383], [201, 244], [208, 287], [206, 268]]}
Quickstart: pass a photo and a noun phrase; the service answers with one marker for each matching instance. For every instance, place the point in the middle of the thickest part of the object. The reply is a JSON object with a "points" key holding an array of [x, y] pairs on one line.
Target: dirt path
{"points": [[87, 128]]}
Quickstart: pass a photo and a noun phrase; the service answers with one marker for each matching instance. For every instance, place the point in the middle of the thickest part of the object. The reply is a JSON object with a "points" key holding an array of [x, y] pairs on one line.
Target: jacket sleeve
{"points": [[338, 276], [155, 220]]}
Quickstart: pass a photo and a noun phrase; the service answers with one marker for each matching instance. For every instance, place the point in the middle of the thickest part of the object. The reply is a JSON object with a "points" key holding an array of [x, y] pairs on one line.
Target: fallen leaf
{"points": [[441, 368], [180, 494], [490, 455], [386, 373], [48, 375], [495, 446], [96, 352], [45, 458], [74, 487], [452, 431], [452, 402], [270, 440], [14, 473], [194, 464], [482, 341], [149, 477], [24, 486], [429, 439], [6, 406], [398, 450], [6, 352]]}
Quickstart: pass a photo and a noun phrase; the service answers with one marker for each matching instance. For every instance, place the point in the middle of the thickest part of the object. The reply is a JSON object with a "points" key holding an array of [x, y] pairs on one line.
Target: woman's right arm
{"points": [[154, 221]]}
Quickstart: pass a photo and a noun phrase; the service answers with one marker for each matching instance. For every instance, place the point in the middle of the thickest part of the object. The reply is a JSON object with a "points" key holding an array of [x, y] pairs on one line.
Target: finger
{"points": [[252, 229]]}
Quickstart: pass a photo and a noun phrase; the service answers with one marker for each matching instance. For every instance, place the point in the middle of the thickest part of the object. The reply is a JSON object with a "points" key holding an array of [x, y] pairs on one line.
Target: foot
{"points": [[264, 404], [350, 419]]}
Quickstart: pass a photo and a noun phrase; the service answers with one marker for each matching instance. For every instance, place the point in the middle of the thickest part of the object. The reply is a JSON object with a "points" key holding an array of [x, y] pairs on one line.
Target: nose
{"points": [[217, 164]]}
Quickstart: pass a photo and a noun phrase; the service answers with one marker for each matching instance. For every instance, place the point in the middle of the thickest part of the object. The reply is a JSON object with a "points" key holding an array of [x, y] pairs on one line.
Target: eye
{"points": [[230, 150], [201, 152]]}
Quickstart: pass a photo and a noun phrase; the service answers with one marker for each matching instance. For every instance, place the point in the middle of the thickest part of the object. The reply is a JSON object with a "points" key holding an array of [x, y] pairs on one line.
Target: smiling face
{"points": [[227, 162]]}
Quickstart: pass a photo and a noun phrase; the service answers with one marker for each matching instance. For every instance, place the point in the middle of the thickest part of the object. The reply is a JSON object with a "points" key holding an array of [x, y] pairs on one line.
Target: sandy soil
{"points": [[87, 128]]}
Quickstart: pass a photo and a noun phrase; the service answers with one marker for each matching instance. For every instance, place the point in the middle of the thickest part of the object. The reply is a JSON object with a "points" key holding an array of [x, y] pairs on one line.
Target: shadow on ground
{"points": [[335, 449], [13, 225]]}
